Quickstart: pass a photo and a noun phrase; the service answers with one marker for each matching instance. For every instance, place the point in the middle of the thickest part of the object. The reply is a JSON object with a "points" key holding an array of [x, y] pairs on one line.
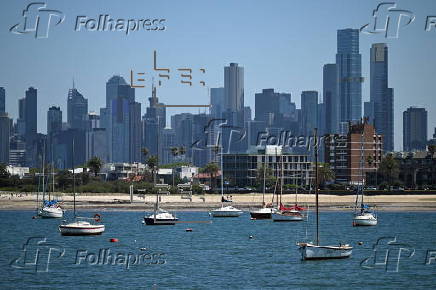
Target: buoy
{"points": [[250, 237], [113, 240], [188, 230]]}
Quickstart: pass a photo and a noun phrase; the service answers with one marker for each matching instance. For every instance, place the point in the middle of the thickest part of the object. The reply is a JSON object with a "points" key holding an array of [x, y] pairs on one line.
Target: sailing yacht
{"points": [[284, 214], [50, 208], [224, 211], [264, 212], [160, 216], [81, 226], [315, 251], [365, 216]]}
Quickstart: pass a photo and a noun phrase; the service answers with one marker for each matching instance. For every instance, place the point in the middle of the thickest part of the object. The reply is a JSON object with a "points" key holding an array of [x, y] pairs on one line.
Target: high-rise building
{"points": [[5, 134], [77, 107], [30, 107], [154, 121], [267, 106], [54, 120], [2, 100], [368, 112], [94, 120], [217, 102], [331, 98], [381, 96], [309, 112], [414, 129], [349, 69], [96, 144]]}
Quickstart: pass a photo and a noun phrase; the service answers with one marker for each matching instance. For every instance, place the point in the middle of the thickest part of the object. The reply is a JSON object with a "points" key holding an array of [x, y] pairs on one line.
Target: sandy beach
{"points": [[117, 201]]}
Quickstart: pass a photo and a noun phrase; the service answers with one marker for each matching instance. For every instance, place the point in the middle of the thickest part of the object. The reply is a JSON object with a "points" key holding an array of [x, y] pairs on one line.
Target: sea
{"points": [[217, 253]]}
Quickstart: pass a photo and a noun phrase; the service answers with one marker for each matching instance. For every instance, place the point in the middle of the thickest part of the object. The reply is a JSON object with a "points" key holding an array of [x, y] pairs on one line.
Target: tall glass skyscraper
{"points": [[414, 129], [54, 120], [381, 97], [77, 110], [2, 100], [31, 114], [349, 68], [331, 98], [309, 112]]}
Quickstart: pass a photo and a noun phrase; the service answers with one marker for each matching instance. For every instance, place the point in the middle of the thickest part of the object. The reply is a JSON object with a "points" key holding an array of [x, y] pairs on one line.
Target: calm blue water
{"points": [[217, 255]]}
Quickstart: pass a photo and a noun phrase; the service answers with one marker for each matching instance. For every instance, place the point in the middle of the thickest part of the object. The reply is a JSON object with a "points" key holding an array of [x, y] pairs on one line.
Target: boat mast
{"points": [[74, 181], [361, 161], [222, 166], [316, 185], [43, 174], [282, 177], [264, 179]]}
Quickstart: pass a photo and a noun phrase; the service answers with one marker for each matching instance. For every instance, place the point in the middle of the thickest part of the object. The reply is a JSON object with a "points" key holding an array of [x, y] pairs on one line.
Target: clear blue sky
{"points": [[281, 44]]}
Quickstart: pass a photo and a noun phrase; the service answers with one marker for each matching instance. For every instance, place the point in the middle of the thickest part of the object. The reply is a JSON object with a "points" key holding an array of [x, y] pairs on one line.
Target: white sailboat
{"points": [[363, 216], [224, 211], [315, 251], [160, 216], [81, 226], [264, 212]]}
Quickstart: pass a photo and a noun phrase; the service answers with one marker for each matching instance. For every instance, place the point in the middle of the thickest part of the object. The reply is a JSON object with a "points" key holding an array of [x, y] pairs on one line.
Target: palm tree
{"points": [[152, 164], [144, 152], [212, 169], [94, 164]]}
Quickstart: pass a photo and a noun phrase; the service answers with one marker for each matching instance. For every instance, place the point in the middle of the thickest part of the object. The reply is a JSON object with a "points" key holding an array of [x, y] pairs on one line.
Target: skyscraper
{"points": [[77, 107], [234, 109], [414, 129], [349, 68], [309, 112], [31, 114], [2, 100], [368, 112], [154, 121], [54, 120], [5, 133], [217, 102], [382, 97], [331, 98]]}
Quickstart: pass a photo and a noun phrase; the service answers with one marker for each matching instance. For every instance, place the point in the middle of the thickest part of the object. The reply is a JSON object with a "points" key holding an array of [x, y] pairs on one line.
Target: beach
{"points": [[118, 201]]}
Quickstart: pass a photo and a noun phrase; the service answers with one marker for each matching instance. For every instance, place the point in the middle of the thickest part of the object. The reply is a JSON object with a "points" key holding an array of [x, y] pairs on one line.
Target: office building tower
{"points": [[234, 88], [349, 70], [154, 121], [96, 144], [93, 121], [2, 100], [217, 102], [331, 98], [30, 107], [5, 134], [414, 129], [77, 107], [54, 120], [368, 112], [309, 112], [381, 96]]}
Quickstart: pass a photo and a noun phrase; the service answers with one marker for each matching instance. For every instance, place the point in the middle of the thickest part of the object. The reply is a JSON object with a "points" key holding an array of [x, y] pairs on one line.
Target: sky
{"points": [[281, 44]]}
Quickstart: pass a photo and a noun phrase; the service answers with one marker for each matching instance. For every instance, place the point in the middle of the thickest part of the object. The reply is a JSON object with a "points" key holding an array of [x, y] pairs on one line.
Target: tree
{"points": [[152, 163], [389, 169], [211, 169], [266, 173], [95, 164], [4, 173], [325, 173]]}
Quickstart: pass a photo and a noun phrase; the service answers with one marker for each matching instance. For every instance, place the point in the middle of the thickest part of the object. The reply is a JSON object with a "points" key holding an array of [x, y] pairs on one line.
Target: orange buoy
{"points": [[113, 240], [188, 230]]}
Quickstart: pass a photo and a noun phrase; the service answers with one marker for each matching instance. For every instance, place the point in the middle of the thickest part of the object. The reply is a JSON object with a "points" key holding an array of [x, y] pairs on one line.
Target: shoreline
{"points": [[121, 202]]}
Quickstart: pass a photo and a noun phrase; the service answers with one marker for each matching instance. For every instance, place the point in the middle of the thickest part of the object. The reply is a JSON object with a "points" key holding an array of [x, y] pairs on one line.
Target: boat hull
{"points": [[261, 215], [278, 217], [364, 222], [51, 213], [224, 214], [159, 222], [313, 252], [67, 230]]}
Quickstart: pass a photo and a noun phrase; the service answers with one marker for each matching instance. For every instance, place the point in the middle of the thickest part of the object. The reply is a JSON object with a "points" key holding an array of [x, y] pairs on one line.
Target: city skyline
{"points": [[279, 67]]}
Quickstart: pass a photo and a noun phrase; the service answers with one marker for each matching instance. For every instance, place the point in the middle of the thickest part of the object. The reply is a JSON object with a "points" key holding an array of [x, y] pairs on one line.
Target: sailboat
{"points": [[81, 226], [264, 212], [363, 216], [50, 208], [315, 251], [224, 211], [160, 216], [287, 214]]}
